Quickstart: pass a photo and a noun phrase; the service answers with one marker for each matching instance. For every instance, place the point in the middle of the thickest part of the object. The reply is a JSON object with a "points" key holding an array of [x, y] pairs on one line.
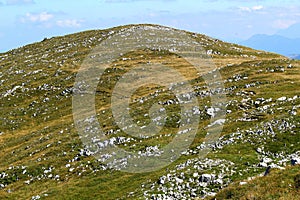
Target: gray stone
{"points": [[206, 178], [295, 161]]}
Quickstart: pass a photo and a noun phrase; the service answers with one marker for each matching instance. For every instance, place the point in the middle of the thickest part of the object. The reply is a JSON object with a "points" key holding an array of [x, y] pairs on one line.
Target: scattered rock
{"points": [[295, 161]]}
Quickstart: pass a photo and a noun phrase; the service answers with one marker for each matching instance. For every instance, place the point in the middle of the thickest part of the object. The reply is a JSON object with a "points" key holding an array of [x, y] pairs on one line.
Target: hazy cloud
{"points": [[257, 7], [283, 24], [250, 9], [69, 23], [36, 17]]}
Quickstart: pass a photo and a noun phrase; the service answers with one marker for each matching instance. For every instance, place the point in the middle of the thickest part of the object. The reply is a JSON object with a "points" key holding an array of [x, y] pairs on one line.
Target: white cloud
{"points": [[247, 9], [36, 17], [257, 7], [283, 24], [69, 23], [50, 20], [250, 9]]}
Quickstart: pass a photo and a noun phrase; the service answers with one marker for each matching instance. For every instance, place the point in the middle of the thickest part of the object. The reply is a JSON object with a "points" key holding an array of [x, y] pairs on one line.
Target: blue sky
{"points": [[27, 21]]}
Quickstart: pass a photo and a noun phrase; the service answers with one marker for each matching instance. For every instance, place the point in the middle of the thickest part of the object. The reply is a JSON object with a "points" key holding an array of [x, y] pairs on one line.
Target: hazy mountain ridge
{"points": [[275, 43], [285, 42], [292, 32], [42, 155]]}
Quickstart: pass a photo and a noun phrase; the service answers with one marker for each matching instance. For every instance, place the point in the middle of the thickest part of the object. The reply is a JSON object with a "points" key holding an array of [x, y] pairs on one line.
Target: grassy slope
{"points": [[279, 184], [38, 133]]}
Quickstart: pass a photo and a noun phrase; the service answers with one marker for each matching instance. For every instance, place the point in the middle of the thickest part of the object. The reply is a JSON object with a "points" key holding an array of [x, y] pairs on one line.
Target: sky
{"points": [[27, 21]]}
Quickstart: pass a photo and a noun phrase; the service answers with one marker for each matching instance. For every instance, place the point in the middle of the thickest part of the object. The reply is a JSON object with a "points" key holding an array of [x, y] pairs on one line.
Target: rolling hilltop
{"points": [[42, 155]]}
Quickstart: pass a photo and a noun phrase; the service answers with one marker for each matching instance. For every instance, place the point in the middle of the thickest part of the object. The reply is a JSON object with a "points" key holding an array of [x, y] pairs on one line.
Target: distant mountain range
{"points": [[285, 42], [295, 56], [275, 43], [291, 32]]}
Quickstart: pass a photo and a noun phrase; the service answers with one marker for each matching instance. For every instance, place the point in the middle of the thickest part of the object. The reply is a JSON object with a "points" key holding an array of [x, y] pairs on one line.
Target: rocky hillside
{"points": [[43, 157]]}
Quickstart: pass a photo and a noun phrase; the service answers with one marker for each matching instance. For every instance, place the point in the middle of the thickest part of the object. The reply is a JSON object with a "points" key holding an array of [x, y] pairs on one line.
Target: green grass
{"points": [[279, 184]]}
